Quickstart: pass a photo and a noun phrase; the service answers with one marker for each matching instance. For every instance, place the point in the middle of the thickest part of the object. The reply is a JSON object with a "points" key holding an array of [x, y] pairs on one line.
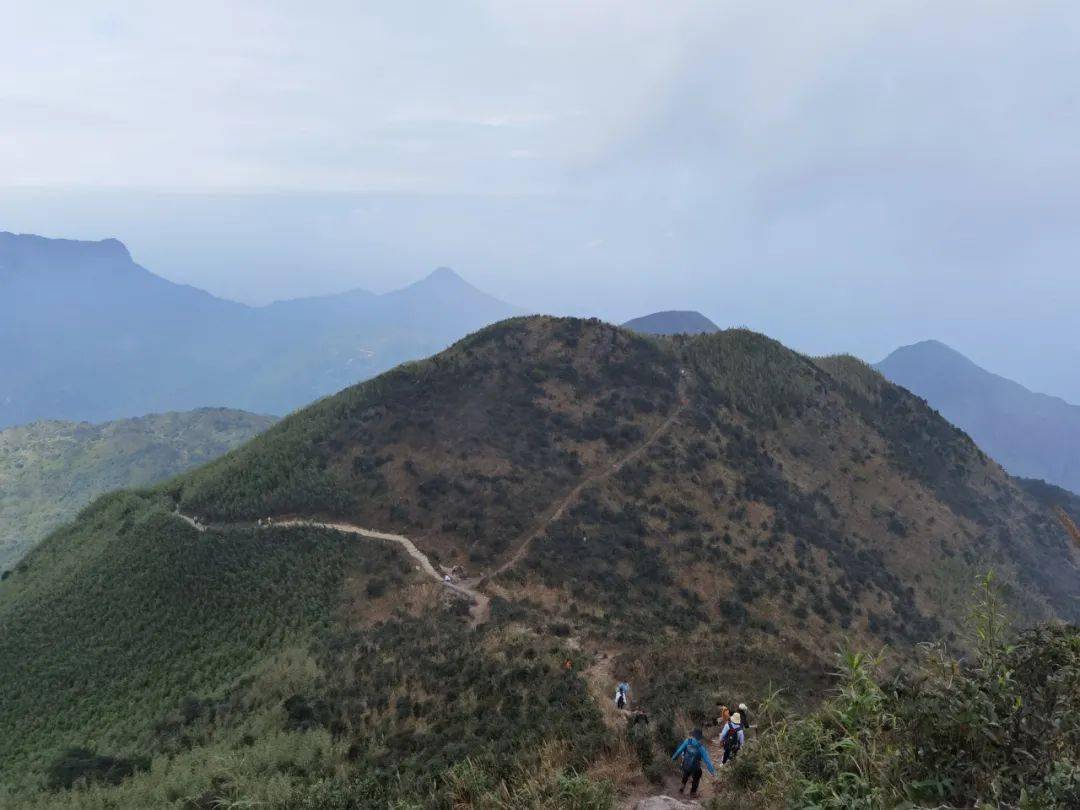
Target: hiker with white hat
{"points": [[745, 715], [733, 737]]}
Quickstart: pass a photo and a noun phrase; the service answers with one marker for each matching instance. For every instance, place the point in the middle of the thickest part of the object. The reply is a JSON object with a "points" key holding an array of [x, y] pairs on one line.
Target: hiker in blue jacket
{"points": [[732, 736], [693, 752]]}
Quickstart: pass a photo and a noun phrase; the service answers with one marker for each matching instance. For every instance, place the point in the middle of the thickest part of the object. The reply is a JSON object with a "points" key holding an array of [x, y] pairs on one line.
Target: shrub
{"points": [[1000, 728], [76, 765]]}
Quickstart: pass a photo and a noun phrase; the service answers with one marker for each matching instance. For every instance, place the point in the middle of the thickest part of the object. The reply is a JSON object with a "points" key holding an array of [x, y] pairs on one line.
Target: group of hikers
{"points": [[693, 750]]}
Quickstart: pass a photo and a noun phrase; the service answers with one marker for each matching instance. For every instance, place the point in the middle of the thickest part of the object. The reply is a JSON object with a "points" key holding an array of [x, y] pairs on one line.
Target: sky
{"points": [[846, 177]]}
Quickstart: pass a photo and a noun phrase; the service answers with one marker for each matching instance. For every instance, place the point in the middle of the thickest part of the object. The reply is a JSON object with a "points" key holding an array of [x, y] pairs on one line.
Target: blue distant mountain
{"points": [[88, 334], [1032, 435], [673, 322]]}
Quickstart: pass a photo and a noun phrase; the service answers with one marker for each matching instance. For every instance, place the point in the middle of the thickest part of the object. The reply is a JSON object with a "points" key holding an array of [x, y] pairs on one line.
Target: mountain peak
{"points": [[23, 250], [673, 322], [929, 351], [444, 274], [444, 277]]}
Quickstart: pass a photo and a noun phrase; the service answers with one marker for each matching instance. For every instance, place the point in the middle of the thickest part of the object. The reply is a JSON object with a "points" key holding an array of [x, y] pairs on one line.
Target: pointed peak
{"points": [[444, 274], [928, 349]]}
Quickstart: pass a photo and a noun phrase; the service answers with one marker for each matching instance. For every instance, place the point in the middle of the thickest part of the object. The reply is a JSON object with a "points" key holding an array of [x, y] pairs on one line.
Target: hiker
{"points": [[732, 737], [723, 718], [622, 695], [745, 713], [637, 716], [693, 752]]}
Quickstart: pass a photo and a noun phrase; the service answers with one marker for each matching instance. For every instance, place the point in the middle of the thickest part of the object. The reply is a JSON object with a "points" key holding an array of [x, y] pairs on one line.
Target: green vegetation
{"points": [[51, 470], [470, 445], [120, 617], [1000, 728], [781, 507]]}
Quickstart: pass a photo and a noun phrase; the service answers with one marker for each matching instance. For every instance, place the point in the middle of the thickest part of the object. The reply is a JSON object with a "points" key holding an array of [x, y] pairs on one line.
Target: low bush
{"points": [[1000, 728]]}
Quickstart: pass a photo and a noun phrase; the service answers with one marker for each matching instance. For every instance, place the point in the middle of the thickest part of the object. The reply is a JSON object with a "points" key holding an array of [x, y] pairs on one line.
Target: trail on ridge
{"points": [[575, 493], [481, 606], [480, 610]]}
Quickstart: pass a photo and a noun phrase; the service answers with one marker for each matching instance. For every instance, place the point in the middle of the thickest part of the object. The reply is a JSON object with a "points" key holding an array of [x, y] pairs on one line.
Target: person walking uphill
{"points": [[694, 752]]}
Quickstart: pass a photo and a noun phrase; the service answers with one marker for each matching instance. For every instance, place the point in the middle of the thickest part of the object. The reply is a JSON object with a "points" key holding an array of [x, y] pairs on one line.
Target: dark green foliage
{"points": [[773, 511], [367, 452], [78, 765], [1000, 729], [641, 741], [149, 611], [51, 470], [604, 543], [929, 448], [461, 700]]}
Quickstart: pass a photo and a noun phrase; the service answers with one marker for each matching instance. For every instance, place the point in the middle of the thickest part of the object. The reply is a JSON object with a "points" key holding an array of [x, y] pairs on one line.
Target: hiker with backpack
{"points": [[694, 752], [732, 736], [745, 713], [622, 695]]}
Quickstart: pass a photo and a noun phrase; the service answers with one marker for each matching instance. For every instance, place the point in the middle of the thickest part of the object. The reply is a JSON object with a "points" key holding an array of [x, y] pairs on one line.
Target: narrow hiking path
{"points": [[480, 610], [557, 512], [481, 604]]}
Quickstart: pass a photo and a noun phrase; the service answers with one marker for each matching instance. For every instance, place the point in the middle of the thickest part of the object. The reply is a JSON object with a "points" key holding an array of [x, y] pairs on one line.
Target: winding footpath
{"points": [[480, 609], [481, 604]]}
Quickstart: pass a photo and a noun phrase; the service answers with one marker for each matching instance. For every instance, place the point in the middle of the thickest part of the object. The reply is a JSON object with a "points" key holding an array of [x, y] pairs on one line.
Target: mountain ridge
{"points": [[632, 507], [116, 340], [1034, 435]]}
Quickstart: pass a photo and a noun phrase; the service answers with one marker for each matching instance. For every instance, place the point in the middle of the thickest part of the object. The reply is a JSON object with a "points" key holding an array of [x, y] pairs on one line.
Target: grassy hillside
{"points": [[700, 515], [51, 470]]}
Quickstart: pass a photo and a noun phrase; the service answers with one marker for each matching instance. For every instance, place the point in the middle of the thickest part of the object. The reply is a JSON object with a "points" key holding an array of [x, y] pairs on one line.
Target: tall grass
{"points": [[998, 728]]}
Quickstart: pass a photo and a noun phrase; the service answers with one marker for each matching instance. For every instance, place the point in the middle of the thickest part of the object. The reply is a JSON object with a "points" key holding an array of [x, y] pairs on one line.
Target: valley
{"points": [[51, 470]]}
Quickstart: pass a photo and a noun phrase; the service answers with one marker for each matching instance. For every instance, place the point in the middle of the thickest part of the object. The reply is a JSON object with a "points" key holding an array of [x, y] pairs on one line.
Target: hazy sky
{"points": [[845, 176]]}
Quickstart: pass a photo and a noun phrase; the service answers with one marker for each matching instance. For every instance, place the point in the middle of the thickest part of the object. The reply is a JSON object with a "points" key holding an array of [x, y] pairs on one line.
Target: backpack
{"points": [[691, 756], [731, 741]]}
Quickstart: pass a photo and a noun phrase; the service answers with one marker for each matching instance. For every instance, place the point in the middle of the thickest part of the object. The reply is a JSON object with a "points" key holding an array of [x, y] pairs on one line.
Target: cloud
{"points": [[843, 175]]}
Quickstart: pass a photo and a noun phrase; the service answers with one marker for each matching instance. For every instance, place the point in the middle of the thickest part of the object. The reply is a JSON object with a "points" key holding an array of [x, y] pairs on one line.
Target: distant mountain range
{"points": [[51, 470], [1032, 435], [673, 322], [88, 334]]}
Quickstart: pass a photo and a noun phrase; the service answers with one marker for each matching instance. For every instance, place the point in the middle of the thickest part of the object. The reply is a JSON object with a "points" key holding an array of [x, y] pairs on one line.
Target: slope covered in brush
{"points": [[850, 500], [638, 507]]}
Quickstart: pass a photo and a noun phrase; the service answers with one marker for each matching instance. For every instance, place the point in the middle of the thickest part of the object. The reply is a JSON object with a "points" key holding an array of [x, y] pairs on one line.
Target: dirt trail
{"points": [[525, 544], [481, 604], [480, 610]]}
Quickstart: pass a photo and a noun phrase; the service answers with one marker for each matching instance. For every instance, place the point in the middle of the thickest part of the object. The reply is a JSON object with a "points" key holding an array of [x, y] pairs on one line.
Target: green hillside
{"points": [[51, 470], [699, 515]]}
